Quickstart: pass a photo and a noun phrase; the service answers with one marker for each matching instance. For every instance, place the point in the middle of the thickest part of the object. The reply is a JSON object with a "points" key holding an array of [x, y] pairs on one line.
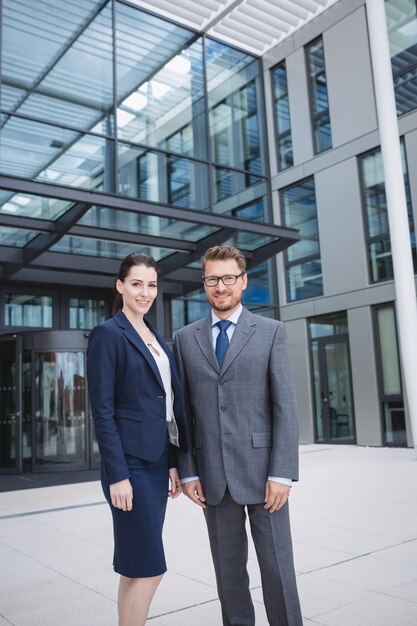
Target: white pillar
{"points": [[405, 291]]}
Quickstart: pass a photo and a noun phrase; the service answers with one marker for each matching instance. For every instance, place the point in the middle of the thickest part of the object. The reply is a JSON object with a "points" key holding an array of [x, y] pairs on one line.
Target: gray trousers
{"points": [[229, 547]]}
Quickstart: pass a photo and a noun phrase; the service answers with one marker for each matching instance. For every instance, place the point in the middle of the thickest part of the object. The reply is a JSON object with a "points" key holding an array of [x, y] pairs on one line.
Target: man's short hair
{"points": [[223, 253]]}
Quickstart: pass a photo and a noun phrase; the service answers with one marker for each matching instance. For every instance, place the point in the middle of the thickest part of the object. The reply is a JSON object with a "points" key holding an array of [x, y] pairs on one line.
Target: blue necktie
{"points": [[222, 342]]}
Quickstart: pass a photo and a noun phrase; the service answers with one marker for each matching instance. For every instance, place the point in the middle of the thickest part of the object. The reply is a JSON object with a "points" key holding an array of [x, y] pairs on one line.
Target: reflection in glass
{"points": [[16, 237], [258, 290], [379, 244], [328, 325], [234, 130], [304, 274], [282, 117], [227, 69], [304, 280], [144, 224], [160, 84], [28, 310], [107, 249], [402, 32], [393, 414], [26, 205], [87, 163], [87, 313], [331, 378], [60, 408], [61, 59], [300, 212], [319, 98], [157, 177], [50, 154]]}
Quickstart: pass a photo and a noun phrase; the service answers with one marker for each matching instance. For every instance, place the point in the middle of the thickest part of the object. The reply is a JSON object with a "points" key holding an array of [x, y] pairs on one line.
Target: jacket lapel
{"points": [[244, 330], [204, 337], [129, 332]]}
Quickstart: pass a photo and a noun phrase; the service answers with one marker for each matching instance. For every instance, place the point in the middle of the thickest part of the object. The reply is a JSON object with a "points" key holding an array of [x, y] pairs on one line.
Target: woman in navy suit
{"points": [[136, 403]]}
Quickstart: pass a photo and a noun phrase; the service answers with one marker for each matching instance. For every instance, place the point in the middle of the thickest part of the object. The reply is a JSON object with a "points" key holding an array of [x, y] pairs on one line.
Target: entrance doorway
{"points": [[45, 422], [334, 410]]}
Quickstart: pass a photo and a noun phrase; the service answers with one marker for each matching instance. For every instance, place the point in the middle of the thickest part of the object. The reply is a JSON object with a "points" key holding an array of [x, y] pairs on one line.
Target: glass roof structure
{"points": [[122, 130]]}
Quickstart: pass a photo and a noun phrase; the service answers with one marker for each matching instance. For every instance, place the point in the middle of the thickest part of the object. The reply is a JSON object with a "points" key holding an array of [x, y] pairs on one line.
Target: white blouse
{"points": [[164, 368]]}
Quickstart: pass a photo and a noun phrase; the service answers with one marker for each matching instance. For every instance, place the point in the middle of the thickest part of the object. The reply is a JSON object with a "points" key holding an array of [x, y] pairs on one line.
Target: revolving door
{"points": [[45, 420]]}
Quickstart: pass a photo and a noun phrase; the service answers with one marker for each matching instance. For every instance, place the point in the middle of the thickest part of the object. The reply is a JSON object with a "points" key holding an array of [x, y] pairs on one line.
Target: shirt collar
{"points": [[234, 317]]}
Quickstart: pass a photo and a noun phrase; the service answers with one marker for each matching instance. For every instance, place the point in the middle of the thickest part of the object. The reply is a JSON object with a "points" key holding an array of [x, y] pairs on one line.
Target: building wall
{"points": [[346, 281]]}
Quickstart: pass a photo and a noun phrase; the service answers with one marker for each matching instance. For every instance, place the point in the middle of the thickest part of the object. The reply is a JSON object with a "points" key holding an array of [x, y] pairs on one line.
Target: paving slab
{"points": [[355, 545]]}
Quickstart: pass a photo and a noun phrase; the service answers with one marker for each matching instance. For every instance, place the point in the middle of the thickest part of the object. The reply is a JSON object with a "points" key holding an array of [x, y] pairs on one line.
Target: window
{"points": [[402, 32], [393, 415], [282, 118], [28, 310], [377, 228], [320, 114], [87, 313], [303, 263]]}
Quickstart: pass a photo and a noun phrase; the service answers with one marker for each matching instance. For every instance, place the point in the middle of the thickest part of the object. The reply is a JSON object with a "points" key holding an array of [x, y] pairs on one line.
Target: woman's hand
{"points": [[121, 494], [175, 483]]}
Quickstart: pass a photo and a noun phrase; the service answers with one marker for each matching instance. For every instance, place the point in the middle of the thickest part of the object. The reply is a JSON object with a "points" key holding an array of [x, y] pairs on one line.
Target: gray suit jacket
{"points": [[243, 418]]}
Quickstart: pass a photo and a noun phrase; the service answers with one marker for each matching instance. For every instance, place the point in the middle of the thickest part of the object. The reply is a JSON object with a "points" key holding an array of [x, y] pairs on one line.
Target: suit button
{"points": [[223, 408], [221, 382]]}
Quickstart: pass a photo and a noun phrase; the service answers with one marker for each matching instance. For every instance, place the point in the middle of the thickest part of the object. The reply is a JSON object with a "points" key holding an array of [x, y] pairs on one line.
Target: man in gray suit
{"points": [[241, 408]]}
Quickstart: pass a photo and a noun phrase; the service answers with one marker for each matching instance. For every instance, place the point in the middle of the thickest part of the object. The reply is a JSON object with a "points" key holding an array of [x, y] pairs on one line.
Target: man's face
{"points": [[224, 299]]}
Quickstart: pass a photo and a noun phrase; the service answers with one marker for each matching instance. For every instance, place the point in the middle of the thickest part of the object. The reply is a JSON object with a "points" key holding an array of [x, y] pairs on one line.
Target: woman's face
{"points": [[138, 289]]}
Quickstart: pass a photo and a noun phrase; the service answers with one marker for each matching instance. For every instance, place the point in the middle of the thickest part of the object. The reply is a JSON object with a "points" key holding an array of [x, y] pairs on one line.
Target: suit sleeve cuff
{"points": [[189, 479], [284, 481]]}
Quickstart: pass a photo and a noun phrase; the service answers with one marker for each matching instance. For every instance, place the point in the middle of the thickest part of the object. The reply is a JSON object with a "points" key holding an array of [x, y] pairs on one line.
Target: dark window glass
{"points": [[158, 177], [377, 228], [303, 264], [318, 96], [282, 117]]}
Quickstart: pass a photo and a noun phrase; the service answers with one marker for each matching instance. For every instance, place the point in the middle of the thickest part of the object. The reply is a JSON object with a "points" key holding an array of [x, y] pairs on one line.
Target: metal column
{"points": [[405, 290]]}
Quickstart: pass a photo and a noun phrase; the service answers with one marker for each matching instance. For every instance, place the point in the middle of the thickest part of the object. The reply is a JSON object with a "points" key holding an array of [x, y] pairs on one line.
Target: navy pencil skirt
{"points": [[138, 548]]}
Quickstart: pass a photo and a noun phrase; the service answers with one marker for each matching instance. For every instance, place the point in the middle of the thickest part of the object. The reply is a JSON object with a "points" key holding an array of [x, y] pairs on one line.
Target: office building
{"points": [[129, 125]]}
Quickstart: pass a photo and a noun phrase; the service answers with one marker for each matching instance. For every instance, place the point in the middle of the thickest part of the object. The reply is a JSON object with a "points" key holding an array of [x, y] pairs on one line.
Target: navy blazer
{"points": [[127, 396]]}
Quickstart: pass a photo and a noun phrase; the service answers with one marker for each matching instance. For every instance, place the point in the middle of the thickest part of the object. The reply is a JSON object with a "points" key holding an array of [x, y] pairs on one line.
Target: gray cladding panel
{"points": [[341, 229], [349, 78], [299, 107], [364, 377]]}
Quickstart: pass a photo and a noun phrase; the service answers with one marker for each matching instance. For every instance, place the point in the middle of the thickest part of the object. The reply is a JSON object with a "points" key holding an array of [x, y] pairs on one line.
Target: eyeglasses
{"points": [[229, 279]]}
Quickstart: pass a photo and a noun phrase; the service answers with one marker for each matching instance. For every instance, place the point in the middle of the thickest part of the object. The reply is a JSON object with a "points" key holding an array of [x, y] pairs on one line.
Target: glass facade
{"points": [[331, 378], [319, 101], [377, 227], [87, 313], [393, 414], [22, 310], [402, 32], [110, 99], [283, 139], [303, 263]]}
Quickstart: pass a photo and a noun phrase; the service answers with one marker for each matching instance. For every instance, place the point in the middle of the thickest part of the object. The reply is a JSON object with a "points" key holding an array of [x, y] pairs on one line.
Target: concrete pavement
{"points": [[354, 521]]}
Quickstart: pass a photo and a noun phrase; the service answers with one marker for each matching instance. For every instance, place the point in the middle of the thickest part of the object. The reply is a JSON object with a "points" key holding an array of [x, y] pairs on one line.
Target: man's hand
{"points": [[175, 483], [276, 495], [121, 494], [194, 491]]}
